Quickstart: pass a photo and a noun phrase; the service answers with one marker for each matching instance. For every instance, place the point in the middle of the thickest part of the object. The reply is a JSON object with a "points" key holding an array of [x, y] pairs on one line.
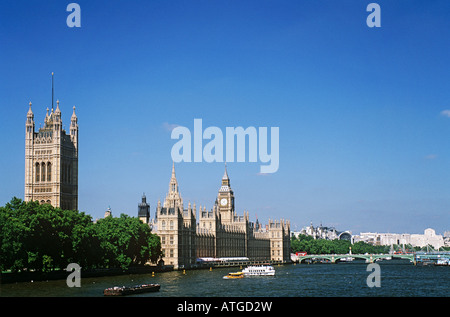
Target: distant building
{"points": [[322, 232], [219, 232], [144, 210], [108, 212], [416, 240], [51, 160], [447, 239]]}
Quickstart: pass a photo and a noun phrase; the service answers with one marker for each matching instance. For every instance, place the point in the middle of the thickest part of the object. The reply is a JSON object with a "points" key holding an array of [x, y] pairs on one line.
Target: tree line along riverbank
{"points": [[41, 238]]}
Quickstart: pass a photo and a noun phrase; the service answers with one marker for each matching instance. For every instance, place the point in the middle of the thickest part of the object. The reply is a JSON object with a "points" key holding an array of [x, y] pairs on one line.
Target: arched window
{"points": [[43, 172], [171, 224], [163, 225], [49, 172], [38, 173]]}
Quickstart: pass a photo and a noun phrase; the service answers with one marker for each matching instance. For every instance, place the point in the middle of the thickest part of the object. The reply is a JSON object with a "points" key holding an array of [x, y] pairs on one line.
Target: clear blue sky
{"points": [[364, 142]]}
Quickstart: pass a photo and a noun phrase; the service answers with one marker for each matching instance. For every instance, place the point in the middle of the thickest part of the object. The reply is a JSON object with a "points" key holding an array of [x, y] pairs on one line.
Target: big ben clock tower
{"points": [[225, 199]]}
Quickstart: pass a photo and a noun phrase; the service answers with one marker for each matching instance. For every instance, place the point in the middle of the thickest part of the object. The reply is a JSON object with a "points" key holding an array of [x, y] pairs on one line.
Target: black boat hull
{"points": [[123, 291]]}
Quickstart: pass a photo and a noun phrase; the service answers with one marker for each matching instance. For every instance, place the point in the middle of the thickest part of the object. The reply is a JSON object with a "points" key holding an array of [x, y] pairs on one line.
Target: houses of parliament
{"points": [[217, 233], [51, 177]]}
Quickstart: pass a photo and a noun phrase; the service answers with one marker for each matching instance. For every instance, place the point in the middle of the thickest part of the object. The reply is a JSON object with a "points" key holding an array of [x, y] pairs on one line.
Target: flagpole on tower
{"points": [[52, 91]]}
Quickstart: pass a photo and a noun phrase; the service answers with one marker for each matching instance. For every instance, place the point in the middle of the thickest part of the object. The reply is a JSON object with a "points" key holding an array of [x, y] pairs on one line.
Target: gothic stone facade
{"points": [[51, 161], [219, 232]]}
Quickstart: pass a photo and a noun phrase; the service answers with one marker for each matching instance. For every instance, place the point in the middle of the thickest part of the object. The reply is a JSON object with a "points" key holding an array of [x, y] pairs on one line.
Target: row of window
{"points": [[64, 205], [163, 239], [163, 225], [37, 152], [43, 190], [168, 254], [43, 172], [66, 173], [41, 169]]}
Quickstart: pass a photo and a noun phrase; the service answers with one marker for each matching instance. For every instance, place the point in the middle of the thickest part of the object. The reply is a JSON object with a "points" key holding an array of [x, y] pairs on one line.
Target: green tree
{"points": [[13, 236], [321, 246], [43, 238], [126, 241]]}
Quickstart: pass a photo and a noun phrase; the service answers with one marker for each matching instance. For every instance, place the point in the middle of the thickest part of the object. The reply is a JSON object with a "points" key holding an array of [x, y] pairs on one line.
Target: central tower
{"points": [[173, 198]]}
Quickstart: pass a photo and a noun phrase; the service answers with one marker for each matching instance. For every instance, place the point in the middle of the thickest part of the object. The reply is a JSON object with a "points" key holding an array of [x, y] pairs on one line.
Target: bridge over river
{"points": [[370, 258]]}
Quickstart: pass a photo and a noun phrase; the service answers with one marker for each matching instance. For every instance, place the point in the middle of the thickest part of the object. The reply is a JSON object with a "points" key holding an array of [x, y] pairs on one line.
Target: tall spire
{"points": [[74, 116], [173, 196], [58, 111], [225, 175], [225, 179], [52, 91], [173, 185], [47, 117], [30, 112]]}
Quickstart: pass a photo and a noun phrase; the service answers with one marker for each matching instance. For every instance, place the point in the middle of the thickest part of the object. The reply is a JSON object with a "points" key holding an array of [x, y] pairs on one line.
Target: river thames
{"points": [[399, 278]]}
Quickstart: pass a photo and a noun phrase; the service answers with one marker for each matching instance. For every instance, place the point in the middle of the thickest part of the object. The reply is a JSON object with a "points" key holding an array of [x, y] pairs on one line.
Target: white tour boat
{"points": [[259, 270]]}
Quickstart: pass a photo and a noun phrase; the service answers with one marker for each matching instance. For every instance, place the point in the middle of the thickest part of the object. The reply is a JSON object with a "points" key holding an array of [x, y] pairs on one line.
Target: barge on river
{"points": [[124, 290]]}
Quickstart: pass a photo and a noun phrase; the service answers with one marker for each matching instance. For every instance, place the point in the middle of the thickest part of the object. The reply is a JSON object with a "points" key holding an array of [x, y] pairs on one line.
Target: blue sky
{"points": [[364, 141]]}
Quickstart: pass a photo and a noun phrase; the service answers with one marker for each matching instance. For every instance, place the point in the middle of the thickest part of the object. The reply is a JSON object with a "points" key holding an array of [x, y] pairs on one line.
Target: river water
{"points": [[398, 279]]}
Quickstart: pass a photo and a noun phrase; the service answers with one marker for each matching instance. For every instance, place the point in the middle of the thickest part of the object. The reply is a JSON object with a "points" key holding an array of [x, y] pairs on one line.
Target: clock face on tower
{"points": [[223, 201]]}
